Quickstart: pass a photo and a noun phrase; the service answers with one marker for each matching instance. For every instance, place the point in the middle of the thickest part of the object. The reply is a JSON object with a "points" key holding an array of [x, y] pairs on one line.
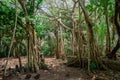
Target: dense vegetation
{"points": [[86, 29]]}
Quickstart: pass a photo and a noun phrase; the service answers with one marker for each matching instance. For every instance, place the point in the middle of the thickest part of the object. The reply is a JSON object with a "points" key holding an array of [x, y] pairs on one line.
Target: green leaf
{"points": [[92, 65], [40, 1], [5, 0], [103, 2], [94, 2]]}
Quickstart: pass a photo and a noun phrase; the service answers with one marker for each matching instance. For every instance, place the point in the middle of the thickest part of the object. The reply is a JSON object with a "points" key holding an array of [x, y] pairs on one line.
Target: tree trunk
{"points": [[108, 31], [34, 57], [93, 48], [57, 53], [73, 42], [112, 55], [63, 56]]}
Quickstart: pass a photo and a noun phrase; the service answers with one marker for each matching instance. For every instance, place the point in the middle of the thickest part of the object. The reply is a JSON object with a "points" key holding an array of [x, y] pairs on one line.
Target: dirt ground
{"points": [[57, 71]]}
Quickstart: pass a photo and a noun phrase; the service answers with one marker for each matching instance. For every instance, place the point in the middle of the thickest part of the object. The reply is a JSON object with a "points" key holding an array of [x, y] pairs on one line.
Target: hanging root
{"points": [[73, 61], [112, 64]]}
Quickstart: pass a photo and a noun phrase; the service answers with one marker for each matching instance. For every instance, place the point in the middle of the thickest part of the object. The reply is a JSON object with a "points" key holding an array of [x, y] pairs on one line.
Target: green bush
{"points": [[46, 50]]}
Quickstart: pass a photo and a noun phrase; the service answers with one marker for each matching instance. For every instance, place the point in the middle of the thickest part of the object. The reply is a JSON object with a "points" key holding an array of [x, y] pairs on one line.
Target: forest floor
{"points": [[57, 71]]}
